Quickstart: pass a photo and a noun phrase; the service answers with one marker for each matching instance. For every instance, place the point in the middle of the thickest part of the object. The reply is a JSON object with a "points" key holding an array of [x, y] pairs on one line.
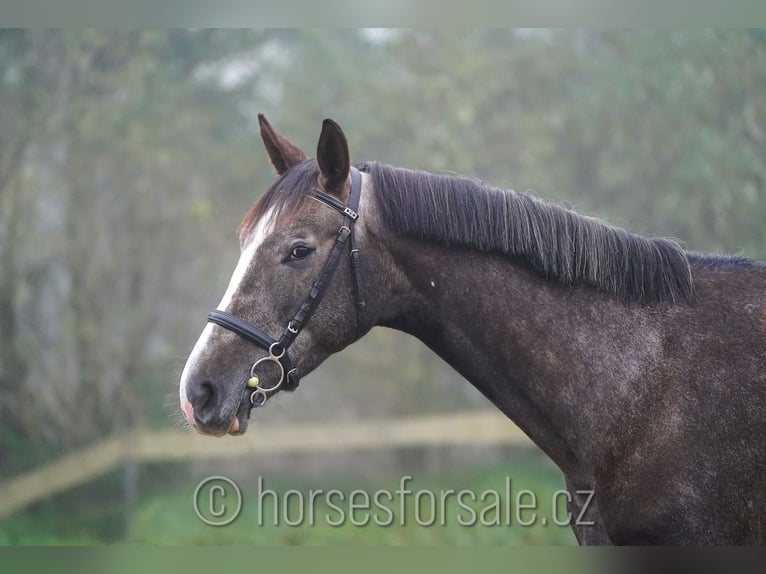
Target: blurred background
{"points": [[128, 158]]}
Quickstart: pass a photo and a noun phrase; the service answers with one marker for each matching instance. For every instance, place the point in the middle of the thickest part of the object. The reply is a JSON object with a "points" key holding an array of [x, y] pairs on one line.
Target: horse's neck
{"points": [[542, 352]]}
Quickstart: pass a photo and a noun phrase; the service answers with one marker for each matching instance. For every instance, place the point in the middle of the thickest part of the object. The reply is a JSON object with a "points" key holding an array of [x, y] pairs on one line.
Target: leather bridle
{"points": [[278, 348]]}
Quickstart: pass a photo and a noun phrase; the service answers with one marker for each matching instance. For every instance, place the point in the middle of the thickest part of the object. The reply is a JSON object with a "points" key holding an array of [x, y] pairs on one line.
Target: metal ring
{"points": [[273, 354], [261, 393], [270, 359]]}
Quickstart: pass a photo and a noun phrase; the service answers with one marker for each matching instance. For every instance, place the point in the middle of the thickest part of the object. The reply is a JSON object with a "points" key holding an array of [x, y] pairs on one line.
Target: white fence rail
{"points": [[476, 428]]}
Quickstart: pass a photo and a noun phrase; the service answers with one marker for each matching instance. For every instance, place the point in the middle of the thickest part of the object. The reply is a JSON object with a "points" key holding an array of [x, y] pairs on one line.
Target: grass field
{"points": [[166, 516], [170, 519]]}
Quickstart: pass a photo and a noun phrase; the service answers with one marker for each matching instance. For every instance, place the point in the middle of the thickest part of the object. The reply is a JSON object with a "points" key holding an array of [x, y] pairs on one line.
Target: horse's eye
{"points": [[299, 252]]}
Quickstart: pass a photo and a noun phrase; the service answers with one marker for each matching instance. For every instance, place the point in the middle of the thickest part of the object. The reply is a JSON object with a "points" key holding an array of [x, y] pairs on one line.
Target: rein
{"points": [[278, 348]]}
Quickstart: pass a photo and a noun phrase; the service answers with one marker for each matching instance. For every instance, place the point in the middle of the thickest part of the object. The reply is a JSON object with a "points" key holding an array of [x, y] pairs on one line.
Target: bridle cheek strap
{"points": [[278, 348]]}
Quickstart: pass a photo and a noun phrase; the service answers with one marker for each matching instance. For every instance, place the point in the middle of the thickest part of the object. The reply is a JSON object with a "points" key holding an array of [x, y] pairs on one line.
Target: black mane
{"points": [[558, 243]]}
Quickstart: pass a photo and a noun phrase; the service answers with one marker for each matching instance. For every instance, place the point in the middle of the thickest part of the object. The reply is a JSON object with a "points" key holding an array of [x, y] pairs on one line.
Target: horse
{"points": [[637, 366]]}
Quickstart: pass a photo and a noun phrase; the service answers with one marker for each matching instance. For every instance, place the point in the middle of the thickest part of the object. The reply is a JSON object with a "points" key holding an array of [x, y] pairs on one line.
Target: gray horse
{"points": [[638, 367]]}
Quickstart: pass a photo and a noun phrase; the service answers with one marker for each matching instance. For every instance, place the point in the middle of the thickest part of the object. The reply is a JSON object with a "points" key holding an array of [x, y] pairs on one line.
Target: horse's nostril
{"points": [[200, 394]]}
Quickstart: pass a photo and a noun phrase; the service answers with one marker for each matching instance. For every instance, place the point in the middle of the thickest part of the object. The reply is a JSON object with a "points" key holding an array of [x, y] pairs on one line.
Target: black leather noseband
{"points": [[278, 348]]}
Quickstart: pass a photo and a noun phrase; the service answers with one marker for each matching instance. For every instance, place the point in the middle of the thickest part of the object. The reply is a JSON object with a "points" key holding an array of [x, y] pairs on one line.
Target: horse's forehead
{"points": [[265, 225], [308, 215]]}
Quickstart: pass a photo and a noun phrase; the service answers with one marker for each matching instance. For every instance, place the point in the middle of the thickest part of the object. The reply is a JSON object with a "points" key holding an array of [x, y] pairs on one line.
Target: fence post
{"points": [[129, 494]]}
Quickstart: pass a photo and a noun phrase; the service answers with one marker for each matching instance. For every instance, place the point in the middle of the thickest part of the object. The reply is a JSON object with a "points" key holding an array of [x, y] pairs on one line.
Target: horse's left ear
{"points": [[334, 160]]}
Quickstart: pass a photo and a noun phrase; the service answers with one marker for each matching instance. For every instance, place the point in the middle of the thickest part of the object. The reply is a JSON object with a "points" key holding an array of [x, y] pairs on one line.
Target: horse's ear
{"points": [[334, 160], [282, 153]]}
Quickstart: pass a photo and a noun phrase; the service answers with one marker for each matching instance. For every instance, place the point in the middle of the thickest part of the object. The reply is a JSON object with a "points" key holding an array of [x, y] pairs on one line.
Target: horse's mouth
{"points": [[241, 419], [238, 425], [234, 428]]}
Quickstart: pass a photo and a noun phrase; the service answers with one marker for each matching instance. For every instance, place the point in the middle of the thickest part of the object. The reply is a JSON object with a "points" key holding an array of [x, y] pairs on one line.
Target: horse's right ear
{"points": [[282, 153]]}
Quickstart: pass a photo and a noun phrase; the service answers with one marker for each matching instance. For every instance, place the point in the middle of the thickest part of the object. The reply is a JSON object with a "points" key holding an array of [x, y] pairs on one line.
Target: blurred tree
{"points": [[667, 128], [103, 211], [23, 85]]}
